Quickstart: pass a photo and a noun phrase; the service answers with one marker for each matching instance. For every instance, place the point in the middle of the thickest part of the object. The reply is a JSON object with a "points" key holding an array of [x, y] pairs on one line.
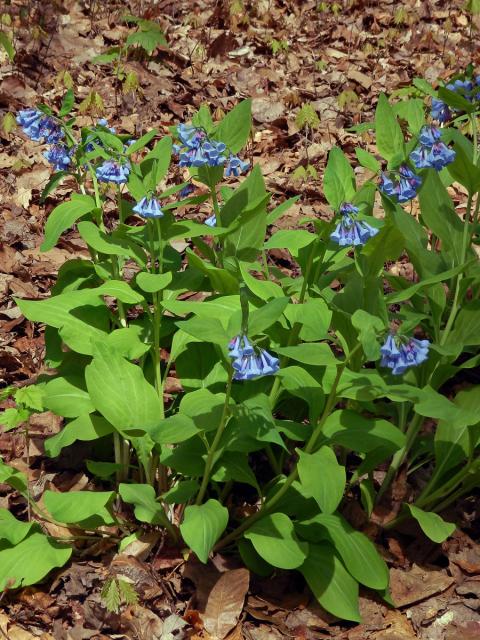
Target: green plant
{"points": [[361, 355]]}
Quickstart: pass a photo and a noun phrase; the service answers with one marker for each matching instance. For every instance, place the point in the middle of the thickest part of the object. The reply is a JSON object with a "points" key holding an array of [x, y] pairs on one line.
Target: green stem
{"points": [[295, 332], [216, 441], [465, 240], [269, 504], [399, 457]]}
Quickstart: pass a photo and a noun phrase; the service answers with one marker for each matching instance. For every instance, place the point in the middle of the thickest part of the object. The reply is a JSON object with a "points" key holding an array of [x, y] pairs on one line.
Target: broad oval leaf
{"points": [[203, 525], [322, 477], [275, 541]]}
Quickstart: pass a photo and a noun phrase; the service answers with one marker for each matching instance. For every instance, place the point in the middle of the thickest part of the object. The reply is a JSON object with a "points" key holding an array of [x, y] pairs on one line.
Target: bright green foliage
{"points": [[220, 445]]}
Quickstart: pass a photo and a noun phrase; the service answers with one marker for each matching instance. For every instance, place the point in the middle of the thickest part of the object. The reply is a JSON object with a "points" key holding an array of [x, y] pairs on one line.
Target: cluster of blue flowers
{"points": [[466, 88], [431, 151], [399, 355], [92, 139], [350, 231], [113, 171], [248, 363], [42, 128], [196, 149], [148, 208], [401, 185]]}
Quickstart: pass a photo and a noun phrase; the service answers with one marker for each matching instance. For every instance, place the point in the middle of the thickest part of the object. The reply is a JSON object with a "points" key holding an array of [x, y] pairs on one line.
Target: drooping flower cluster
{"points": [[401, 185], [249, 363], [235, 166], [400, 354], [59, 155], [113, 171], [39, 127], [148, 208], [350, 231], [466, 88], [431, 152], [196, 149]]}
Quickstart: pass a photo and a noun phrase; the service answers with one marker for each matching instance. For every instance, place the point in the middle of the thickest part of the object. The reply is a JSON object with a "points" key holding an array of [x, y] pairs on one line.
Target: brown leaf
{"points": [[417, 584], [225, 603]]}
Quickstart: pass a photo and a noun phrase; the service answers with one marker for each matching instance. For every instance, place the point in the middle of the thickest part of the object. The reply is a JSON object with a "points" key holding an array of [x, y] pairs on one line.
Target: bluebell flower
{"points": [[59, 155], [401, 185], [50, 130], [235, 166], [211, 221], [92, 139], [249, 363], [440, 111], [190, 136], [429, 134], [29, 120], [148, 208], [350, 232], [196, 149], [431, 152], [113, 171], [36, 125], [399, 354]]}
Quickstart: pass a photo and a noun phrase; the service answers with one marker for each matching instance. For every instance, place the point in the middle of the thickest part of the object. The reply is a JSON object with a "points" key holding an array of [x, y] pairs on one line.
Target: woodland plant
{"points": [[292, 389]]}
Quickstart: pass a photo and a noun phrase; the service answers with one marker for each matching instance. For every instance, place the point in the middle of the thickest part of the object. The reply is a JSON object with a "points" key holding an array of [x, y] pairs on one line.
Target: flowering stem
{"points": [[216, 441], [309, 447], [274, 393], [455, 305], [399, 457]]}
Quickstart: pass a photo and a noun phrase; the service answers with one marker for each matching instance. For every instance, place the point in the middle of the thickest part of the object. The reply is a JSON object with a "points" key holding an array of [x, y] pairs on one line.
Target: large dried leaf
{"points": [[225, 603]]}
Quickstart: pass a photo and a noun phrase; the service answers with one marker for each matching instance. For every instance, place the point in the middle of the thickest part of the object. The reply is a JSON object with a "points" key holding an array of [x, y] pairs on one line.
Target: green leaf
{"points": [[314, 317], [13, 478], [367, 160], [316, 354], [173, 430], [153, 282], [128, 342], [235, 127], [90, 508], [121, 290], [339, 179], [358, 553], [182, 492], [144, 499], [67, 103], [300, 383], [438, 213], [464, 171], [266, 315], [263, 289], [13, 417], [432, 525], [30, 396], [55, 179], [13, 530], [67, 397], [141, 142], [322, 477], [103, 470], [234, 466], [353, 431], [368, 327], [43, 553], [204, 407], [205, 329], [410, 291], [293, 240], [84, 428], [6, 43], [274, 539], [330, 582], [155, 165], [120, 392], [389, 135], [148, 39], [64, 216], [203, 525]]}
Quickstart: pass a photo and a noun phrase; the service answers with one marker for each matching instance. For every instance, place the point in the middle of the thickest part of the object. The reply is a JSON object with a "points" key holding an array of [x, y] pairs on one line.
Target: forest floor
{"points": [[336, 57]]}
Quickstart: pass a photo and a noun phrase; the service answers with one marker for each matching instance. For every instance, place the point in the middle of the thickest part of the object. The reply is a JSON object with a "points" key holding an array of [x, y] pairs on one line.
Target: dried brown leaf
{"points": [[225, 603]]}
